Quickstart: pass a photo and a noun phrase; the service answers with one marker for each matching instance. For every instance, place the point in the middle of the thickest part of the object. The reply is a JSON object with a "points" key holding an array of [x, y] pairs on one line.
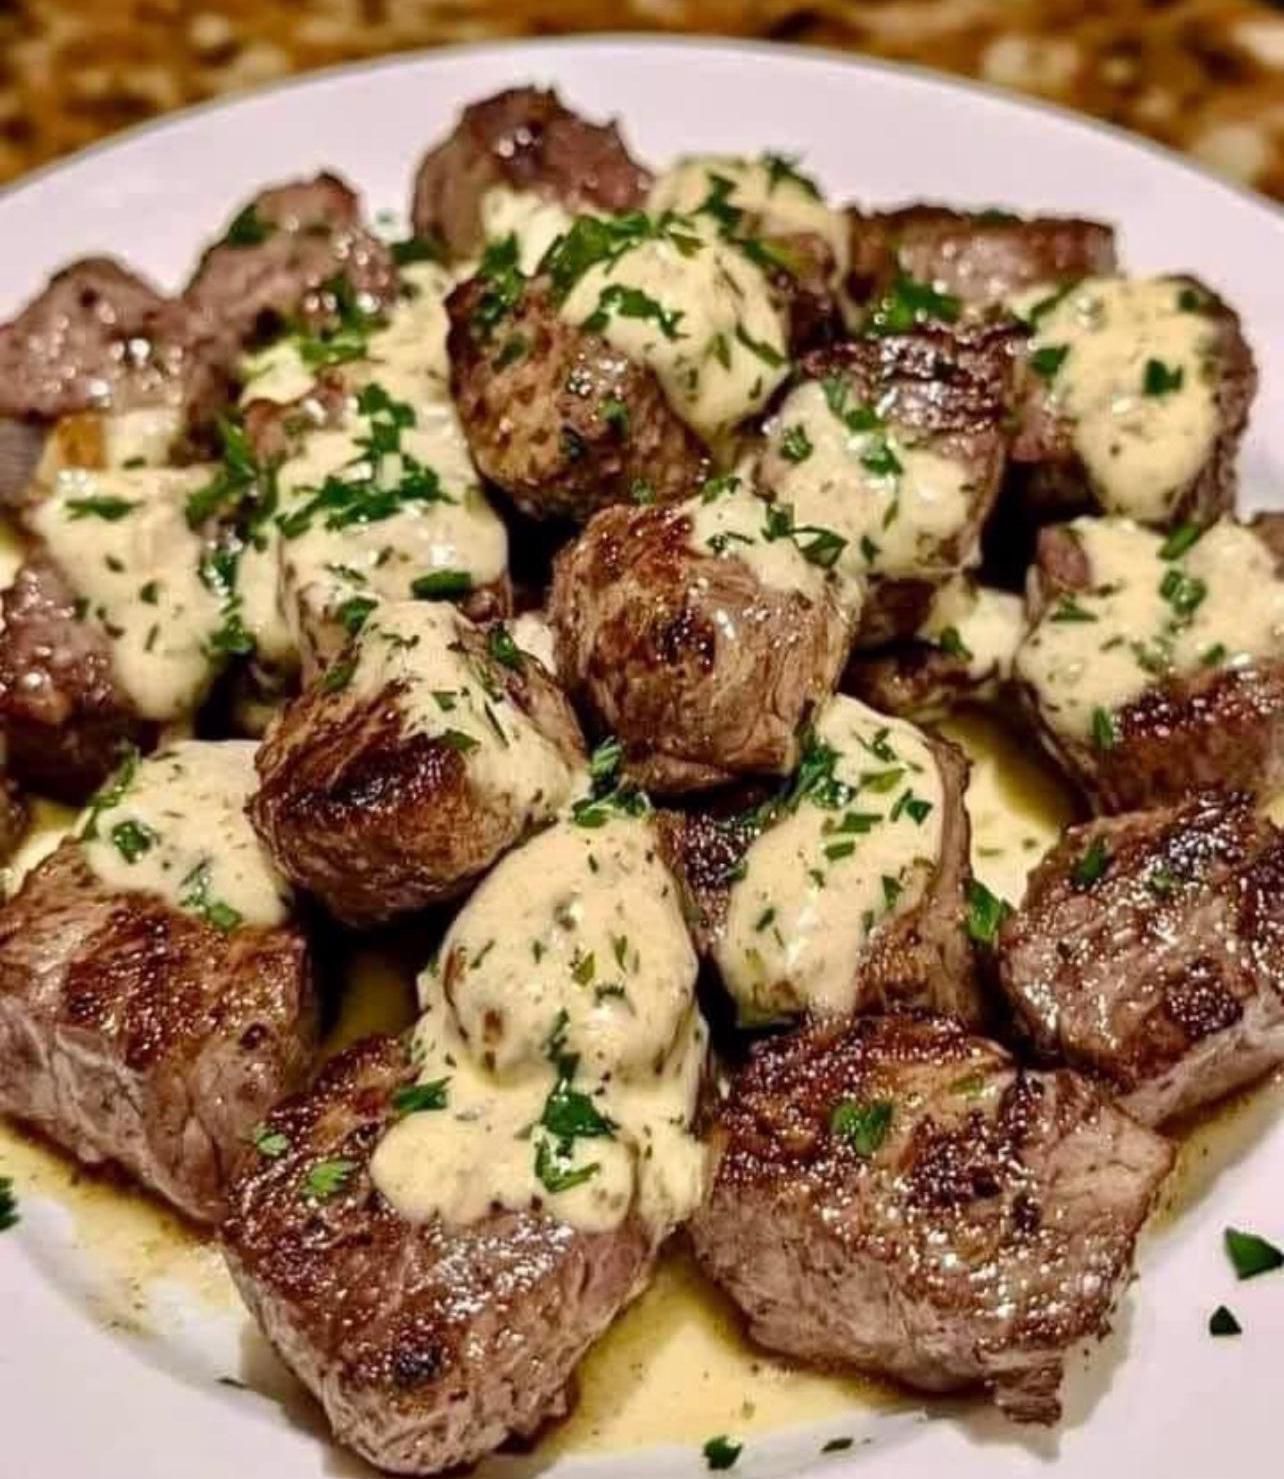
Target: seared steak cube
{"points": [[1155, 665], [152, 1021], [1149, 952], [900, 1197]]}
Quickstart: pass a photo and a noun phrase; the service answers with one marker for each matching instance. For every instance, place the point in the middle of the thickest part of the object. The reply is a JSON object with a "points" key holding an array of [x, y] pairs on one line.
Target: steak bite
{"points": [[848, 892], [445, 1226], [697, 638], [1155, 666], [982, 258], [963, 653], [428, 1346], [418, 757], [1134, 397], [1149, 952], [898, 1196], [295, 253], [100, 338], [563, 422], [895, 443], [155, 1000], [524, 142]]}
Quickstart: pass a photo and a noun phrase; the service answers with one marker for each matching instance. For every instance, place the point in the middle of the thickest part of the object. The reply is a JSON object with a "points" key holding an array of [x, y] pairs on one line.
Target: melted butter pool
{"points": [[677, 1366]]}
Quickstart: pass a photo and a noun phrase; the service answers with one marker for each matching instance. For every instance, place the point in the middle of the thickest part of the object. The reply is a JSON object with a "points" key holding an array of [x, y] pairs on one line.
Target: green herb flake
{"points": [[1251, 1255], [1223, 1322], [985, 913], [1047, 361], [862, 1125], [1179, 541], [352, 613], [1092, 865], [951, 642], [101, 507], [441, 585], [557, 1178], [1105, 734], [418, 1098], [8, 1204], [248, 228], [270, 1144], [327, 1178], [132, 839], [1162, 379], [722, 1452], [339, 674], [500, 645], [908, 304], [795, 444]]}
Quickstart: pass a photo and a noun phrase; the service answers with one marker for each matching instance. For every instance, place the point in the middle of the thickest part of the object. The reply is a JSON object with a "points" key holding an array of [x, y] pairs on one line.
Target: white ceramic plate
{"points": [[81, 1398]]}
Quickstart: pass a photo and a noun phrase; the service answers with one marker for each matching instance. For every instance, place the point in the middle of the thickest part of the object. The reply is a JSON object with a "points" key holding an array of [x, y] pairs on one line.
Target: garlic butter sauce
{"points": [[560, 1042], [853, 847]]}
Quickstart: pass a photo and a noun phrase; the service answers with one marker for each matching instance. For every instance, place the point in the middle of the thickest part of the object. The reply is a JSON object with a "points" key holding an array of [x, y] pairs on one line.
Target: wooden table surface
{"points": [[1202, 75]]}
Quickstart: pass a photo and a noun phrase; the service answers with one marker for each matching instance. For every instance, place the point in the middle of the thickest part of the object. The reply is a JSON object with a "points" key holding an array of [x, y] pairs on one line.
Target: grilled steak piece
{"points": [[65, 716], [1070, 463], [138, 1033], [567, 425], [427, 1345], [963, 653], [527, 140], [1153, 667], [14, 817], [1149, 952], [294, 252], [980, 257], [701, 669], [99, 337], [899, 1196], [415, 760], [917, 954], [896, 443]]}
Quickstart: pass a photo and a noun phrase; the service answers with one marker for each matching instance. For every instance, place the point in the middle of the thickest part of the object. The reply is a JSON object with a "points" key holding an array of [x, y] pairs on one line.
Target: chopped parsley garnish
{"points": [[782, 169], [862, 1125], [1092, 865], [101, 506], [616, 415], [907, 804], [194, 895], [1161, 379], [1045, 306], [722, 1452], [879, 459], [571, 1115], [270, 1144], [506, 652], [1068, 609], [856, 417], [557, 1178], [441, 585], [133, 839], [347, 337], [417, 1098], [412, 249], [326, 1178], [1047, 361], [1191, 300], [952, 644], [500, 270], [608, 792], [240, 478], [594, 239], [1184, 593], [985, 913], [149, 594], [111, 793], [630, 302], [339, 674], [767, 353], [1251, 1255], [795, 444], [817, 545], [352, 614], [1182, 538], [8, 1204], [1105, 734], [456, 739], [909, 303], [248, 228], [1223, 1322], [511, 350]]}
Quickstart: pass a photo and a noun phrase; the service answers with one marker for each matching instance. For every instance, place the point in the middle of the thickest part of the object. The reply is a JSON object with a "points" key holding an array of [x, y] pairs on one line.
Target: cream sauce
{"points": [[777, 199], [175, 825], [852, 852], [732, 520], [443, 690], [698, 313], [897, 507], [562, 1019], [1218, 604], [1123, 345], [122, 540], [981, 625], [533, 219]]}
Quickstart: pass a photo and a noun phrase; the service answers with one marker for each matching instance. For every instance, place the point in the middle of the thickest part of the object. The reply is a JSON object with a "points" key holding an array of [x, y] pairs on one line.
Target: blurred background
{"points": [[1206, 76]]}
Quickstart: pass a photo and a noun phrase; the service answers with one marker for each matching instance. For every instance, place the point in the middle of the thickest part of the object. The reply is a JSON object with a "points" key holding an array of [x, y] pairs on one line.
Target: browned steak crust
{"points": [[701, 671], [567, 425], [950, 391], [981, 257], [921, 958], [376, 819], [65, 718], [135, 1033], [526, 139], [967, 1241], [284, 256], [427, 1346], [1149, 952]]}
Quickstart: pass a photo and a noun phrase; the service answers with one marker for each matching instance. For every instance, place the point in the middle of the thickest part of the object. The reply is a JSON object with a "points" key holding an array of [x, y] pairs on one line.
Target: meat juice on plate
{"points": [[676, 1366]]}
